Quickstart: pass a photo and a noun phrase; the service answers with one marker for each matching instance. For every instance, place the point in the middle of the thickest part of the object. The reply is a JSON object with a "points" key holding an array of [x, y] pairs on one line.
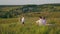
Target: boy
{"points": [[22, 19]]}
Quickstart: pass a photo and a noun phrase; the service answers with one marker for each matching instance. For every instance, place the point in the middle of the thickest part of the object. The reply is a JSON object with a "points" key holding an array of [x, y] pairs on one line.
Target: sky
{"points": [[24, 2]]}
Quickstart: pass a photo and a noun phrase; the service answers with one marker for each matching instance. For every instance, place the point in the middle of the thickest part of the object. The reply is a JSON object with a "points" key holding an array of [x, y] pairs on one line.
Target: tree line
{"points": [[28, 8]]}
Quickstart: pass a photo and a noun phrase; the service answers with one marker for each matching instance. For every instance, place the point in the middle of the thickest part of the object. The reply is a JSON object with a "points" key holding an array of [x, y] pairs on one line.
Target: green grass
{"points": [[14, 26], [30, 27]]}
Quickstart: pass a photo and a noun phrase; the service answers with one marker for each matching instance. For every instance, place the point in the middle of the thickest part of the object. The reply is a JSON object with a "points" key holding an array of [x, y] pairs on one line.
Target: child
{"points": [[44, 21], [22, 19]]}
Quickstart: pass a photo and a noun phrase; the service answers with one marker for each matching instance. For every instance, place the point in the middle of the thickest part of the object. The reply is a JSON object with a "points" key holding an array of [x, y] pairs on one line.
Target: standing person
{"points": [[22, 19], [44, 21], [39, 21]]}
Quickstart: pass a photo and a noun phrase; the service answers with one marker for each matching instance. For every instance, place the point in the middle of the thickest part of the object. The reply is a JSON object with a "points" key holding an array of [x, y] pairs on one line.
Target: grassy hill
{"points": [[10, 16]]}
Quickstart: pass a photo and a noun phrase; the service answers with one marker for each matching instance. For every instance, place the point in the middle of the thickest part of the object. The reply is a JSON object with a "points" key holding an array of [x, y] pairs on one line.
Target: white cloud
{"points": [[22, 2]]}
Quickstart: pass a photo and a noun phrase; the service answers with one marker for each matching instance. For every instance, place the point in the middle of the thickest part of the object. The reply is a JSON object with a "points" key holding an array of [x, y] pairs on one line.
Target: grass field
{"points": [[14, 26]]}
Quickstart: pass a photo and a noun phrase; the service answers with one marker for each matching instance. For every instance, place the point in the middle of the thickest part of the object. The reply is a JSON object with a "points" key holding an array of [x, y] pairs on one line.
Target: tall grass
{"points": [[30, 27], [14, 26]]}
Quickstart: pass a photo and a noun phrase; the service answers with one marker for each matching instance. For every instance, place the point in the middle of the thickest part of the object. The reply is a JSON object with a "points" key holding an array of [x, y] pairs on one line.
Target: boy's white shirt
{"points": [[22, 20]]}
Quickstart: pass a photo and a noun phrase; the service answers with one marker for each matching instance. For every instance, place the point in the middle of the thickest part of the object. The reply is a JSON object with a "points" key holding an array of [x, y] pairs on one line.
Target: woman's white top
{"points": [[40, 21]]}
